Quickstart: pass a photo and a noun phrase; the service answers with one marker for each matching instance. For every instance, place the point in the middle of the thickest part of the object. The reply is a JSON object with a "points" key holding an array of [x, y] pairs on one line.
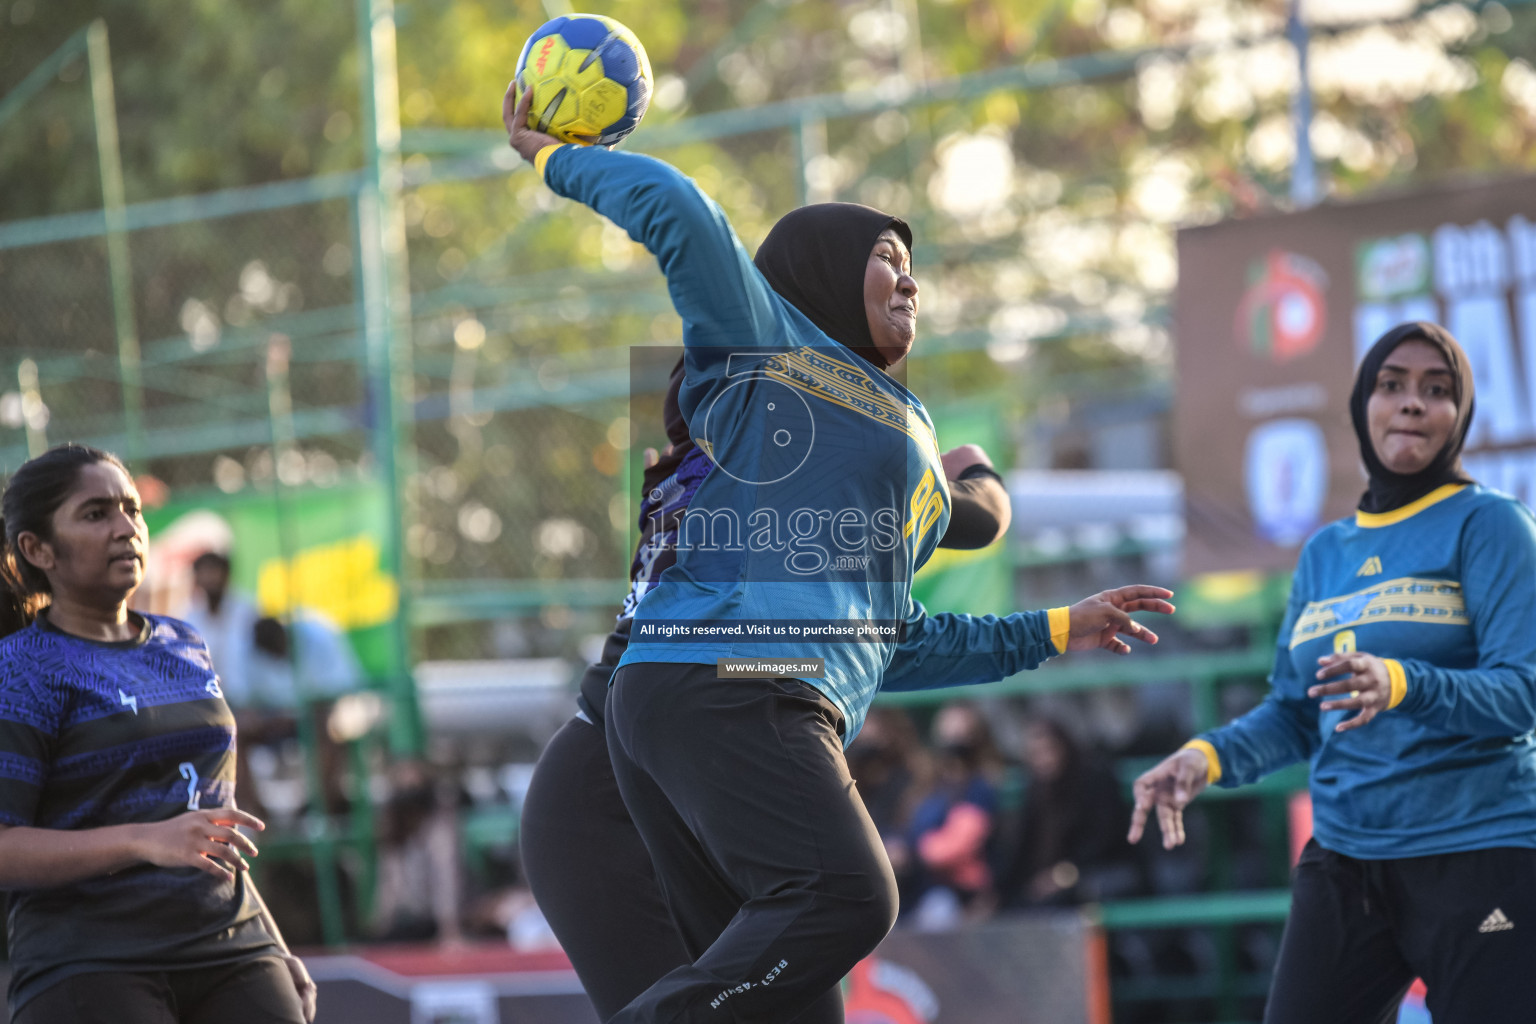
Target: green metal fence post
{"points": [[386, 328], [104, 107], [810, 143], [318, 827], [32, 409]]}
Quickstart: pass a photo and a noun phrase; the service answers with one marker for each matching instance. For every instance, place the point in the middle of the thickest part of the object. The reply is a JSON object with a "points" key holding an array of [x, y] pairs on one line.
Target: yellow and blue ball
{"points": [[590, 77]]}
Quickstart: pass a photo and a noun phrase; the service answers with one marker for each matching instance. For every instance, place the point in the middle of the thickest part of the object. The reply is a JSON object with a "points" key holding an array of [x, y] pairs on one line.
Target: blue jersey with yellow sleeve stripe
{"points": [[827, 492], [1444, 590]]}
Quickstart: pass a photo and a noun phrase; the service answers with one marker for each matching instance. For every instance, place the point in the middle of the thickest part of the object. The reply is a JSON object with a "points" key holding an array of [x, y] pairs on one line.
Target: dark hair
{"points": [[1072, 753], [212, 558], [33, 494], [271, 637], [977, 750]]}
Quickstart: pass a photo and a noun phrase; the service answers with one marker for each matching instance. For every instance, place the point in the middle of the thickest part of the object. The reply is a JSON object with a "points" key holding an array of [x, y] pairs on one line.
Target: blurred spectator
{"points": [[420, 879], [226, 621], [310, 657], [513, 914], [953, 826], [298, 669], [892, 771], [890, 767], [1069, 843]]}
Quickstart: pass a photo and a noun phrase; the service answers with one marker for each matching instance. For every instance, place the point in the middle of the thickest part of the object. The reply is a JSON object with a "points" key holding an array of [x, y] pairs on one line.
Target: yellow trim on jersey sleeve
{"points": [[1397, 515], [1399, 680], [1212, 762], [1061, 627], [541, 158]]}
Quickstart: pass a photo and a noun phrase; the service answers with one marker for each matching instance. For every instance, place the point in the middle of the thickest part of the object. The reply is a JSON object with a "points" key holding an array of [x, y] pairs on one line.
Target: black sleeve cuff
{"points": [[980, 469]]}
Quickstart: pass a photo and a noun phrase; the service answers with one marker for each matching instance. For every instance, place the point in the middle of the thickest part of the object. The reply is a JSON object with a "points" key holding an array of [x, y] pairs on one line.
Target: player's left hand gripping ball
{"points": [[590, 79]]}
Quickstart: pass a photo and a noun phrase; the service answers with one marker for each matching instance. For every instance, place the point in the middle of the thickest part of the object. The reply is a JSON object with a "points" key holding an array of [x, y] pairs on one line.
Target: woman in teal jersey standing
{"points": [[1406, 676], [795, 557]]}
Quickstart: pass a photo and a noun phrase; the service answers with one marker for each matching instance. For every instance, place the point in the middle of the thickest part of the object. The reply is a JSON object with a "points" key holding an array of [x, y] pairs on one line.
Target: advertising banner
{"points": [[317, 550], [1272, 316]]}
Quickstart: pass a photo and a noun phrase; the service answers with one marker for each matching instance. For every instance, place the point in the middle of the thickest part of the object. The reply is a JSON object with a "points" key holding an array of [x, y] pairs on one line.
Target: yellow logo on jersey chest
{"points": [[1407, 599], [1372, 567]]}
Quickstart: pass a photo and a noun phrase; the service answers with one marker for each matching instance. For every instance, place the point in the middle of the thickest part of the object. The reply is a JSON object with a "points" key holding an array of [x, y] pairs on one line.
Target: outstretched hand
{"points": [[1098, 621], [1169, 787], [514, 114]]}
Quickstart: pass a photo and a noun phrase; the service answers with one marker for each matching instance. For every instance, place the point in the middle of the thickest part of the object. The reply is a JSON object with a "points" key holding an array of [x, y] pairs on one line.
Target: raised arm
{"points": [[721, 297], [948, 649]]}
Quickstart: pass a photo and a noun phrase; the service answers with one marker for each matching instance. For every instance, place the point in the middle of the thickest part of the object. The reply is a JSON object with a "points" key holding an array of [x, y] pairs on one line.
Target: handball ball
{"points": [[590, 77]]}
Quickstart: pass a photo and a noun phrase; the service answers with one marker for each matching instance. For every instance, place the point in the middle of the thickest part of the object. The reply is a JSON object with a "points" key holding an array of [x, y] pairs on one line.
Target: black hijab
{"points": [[1389, 490], [815, 257]]}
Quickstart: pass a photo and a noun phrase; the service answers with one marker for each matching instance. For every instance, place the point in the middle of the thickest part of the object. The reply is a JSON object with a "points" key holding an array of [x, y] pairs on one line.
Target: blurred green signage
{"points": [[317, 550]]}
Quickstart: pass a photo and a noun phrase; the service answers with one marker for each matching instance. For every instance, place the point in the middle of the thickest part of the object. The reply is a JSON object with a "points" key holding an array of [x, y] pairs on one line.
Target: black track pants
{"points": [[593, 879], [591, 875], [1360, 932], [764, 853]]}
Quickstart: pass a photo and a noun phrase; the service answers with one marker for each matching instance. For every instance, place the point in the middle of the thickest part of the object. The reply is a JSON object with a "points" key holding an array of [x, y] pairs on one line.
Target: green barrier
{"points": [[1137, 670], [1200, 909]]}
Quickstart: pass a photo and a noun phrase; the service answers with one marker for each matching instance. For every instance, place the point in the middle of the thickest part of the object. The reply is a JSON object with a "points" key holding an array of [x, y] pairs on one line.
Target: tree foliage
{"points": [[1045, 218]]}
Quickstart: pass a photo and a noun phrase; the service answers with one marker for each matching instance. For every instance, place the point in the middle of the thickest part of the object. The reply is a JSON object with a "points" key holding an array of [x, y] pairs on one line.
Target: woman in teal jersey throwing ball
{"points": [[825, 494], [1406, 676]]}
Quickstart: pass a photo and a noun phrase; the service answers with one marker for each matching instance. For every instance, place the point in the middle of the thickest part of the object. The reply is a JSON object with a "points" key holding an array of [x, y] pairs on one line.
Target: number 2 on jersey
{"points": [[189, 772]]}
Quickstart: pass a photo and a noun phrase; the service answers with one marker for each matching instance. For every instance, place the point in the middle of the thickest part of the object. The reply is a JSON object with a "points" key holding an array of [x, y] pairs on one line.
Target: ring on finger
{"points": [[1353, 694]]}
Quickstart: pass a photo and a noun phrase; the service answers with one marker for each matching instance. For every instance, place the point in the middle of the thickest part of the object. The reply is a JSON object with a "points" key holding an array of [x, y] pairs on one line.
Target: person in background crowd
{"points": [[950, 834], [1066, 846], [226, 620], [420, 881], [300, 668], [893, 771], [307, 658]]}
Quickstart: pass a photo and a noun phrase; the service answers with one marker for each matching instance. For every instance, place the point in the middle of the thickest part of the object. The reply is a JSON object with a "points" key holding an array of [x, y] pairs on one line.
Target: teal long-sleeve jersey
{"points": [[827, 492], [1444, 590]]}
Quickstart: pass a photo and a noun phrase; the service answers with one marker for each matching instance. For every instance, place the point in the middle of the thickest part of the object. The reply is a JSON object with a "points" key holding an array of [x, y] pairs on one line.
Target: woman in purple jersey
{"points": [[130, 902]]}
